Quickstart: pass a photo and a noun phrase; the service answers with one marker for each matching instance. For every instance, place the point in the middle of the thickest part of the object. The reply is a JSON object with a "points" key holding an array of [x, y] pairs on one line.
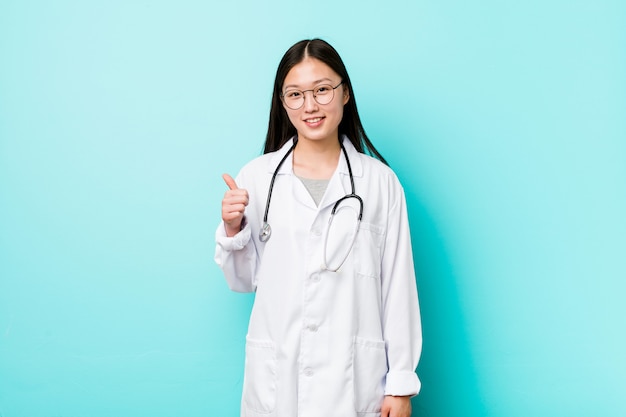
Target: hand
{"points": [[396, 407], [233, 206]]}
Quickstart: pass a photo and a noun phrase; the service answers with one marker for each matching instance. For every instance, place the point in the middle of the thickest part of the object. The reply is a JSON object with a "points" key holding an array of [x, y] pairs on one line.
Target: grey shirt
{"points": [[316, 188]]}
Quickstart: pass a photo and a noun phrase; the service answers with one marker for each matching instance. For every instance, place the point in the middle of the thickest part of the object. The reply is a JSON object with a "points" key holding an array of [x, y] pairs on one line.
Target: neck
{"points": [[316, 159]]}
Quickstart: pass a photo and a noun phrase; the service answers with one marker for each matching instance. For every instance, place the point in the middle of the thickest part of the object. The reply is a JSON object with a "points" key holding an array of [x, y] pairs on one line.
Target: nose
{"points": [[309, 101]]}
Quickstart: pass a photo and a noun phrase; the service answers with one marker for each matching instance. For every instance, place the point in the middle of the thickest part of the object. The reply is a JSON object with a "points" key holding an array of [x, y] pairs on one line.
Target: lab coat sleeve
{"points": [[401, 316], [237, 258]]}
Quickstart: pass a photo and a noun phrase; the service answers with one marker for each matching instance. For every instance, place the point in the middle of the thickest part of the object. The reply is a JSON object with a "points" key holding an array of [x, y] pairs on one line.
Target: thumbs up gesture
{"points": [[233, 206]]}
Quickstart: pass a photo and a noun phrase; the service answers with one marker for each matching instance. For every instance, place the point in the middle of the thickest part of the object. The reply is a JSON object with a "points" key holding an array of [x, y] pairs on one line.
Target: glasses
{"points": [[323, 94]]}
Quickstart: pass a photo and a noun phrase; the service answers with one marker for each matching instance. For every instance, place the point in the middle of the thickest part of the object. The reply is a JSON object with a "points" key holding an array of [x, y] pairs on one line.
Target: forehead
{"points": [[310, 71]]}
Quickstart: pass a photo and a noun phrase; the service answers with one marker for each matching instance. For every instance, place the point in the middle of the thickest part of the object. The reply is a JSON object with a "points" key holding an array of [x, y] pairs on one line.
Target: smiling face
{"points": [[314, 121]]}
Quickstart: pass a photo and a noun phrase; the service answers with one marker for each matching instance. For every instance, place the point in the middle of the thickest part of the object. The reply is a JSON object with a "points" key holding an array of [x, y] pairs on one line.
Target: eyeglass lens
{"points": [[323, 94]]}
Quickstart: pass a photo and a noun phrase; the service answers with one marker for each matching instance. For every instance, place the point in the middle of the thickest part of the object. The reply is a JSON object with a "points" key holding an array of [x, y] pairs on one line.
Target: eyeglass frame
{"points": [[312, 90]]}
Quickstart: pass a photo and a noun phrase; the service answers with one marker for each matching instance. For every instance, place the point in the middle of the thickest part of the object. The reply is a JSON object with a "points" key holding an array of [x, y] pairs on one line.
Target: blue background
{"points": [[504, 120]]}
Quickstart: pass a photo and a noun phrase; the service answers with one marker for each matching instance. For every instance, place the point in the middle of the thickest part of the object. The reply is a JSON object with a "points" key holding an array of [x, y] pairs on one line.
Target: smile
{"points": [[315, 120]]}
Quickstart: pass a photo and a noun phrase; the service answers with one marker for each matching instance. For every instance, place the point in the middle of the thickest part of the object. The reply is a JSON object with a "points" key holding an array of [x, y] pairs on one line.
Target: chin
{"points": [[316, 135]]}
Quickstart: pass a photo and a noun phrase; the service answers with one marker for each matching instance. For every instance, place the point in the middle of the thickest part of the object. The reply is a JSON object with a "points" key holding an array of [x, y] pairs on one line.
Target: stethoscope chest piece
{"points": [[265, 232]]}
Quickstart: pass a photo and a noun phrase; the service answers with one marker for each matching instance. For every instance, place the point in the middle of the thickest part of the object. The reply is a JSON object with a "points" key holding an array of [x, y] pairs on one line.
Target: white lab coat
{"points": [[324, 343]]}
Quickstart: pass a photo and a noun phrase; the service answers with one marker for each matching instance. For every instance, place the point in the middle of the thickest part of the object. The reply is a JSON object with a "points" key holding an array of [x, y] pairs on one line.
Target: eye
{"points": [[323, 89], [293, 94]]}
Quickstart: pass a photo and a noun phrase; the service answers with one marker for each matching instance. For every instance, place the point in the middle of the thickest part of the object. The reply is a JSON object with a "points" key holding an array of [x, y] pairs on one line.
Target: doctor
{"points": [[335, 327]]}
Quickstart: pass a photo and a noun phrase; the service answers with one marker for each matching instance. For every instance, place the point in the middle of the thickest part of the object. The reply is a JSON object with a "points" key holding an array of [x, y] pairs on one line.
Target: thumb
{"points": [[230, 182]]}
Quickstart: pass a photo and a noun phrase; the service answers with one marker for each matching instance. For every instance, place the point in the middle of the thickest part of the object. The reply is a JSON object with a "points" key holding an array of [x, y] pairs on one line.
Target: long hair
{"points": [[280, 129]]}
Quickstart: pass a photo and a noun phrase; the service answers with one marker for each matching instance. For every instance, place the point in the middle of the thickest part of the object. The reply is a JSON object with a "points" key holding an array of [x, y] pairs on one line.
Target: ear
{"points": [[346, 95]]}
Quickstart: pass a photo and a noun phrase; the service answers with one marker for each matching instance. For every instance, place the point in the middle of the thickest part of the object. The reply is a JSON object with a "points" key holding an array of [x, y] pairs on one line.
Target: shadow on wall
{"points": [[449, 384], [446, 369]]}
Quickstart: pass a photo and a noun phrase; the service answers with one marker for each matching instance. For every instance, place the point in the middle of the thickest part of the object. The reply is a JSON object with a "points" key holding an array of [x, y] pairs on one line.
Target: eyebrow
{"points": [[314, 83]]}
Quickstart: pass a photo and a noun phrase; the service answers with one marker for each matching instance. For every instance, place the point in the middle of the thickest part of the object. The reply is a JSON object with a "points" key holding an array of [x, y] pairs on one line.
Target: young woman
{"points": [[319, 230]]}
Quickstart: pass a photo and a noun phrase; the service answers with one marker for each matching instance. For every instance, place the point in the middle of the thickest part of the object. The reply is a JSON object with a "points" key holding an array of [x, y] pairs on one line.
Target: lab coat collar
{"points": [[287, 167], [339, 184], [355, 159]]}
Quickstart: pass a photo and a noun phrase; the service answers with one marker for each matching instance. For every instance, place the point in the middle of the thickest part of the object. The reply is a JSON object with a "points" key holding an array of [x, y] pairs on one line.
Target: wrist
{"points": [[232, 230]]}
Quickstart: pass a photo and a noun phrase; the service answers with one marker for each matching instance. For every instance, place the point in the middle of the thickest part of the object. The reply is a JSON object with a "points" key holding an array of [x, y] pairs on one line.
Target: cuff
{"points": [[402, 383], [237, 242]]}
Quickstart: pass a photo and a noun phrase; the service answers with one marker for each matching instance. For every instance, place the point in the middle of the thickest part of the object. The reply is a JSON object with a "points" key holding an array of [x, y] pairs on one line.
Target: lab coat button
{"points": [[315, 277], [308, 372], [313, 327]]}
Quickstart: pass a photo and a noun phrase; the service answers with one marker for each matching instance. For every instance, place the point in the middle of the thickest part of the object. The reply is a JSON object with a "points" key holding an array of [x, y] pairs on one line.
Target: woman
{"points": [[335, 327]]}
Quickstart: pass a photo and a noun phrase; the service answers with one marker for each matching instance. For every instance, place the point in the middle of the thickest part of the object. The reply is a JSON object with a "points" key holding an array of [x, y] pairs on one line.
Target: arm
{"points": [[235, 252], [401, 316]]}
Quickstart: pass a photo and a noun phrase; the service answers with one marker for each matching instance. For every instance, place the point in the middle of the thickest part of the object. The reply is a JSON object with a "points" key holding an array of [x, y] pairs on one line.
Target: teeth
{"points": [[317, 119]]}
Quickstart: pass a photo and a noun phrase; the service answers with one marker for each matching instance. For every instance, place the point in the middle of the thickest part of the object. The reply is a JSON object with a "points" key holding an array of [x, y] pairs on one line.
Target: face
{"points": [[314, 121]]}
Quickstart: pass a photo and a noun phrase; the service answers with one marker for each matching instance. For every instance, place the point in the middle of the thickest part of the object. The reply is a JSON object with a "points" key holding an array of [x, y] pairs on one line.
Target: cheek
{"points": [[292, 115], [340, 112]]}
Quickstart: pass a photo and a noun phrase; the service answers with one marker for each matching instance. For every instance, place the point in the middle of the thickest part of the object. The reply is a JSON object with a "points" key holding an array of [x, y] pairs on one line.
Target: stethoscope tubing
{"points": [[266, 230]]}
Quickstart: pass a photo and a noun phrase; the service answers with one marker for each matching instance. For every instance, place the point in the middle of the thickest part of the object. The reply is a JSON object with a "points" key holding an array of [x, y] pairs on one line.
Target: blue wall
{"points": [[504, 120]]}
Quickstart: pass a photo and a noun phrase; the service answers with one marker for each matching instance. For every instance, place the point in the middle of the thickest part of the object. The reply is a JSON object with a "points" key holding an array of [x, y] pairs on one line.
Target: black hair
{"points": [[280, 129]]}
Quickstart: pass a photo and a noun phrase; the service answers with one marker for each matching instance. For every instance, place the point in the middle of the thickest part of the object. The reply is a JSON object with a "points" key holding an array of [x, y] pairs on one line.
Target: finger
{"points": [[234, 208], [229, 217], [235, 197], [230, 182]]}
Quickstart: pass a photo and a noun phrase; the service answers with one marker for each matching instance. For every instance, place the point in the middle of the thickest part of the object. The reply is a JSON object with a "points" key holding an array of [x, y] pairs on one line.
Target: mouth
{"points": [[313, 120]]}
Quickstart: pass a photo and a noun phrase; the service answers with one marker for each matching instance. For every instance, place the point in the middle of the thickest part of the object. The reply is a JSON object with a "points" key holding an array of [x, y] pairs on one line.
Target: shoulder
{"points": [[381, 182], [366, 165], [270, 160], [375, 169], [257, 170], [250, 174]]}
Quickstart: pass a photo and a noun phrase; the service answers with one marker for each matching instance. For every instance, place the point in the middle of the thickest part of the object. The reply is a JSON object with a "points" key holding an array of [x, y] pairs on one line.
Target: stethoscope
{"points": [[266, 230]]}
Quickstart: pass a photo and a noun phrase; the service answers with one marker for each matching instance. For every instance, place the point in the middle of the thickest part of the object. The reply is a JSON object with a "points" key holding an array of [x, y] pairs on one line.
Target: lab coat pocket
{"points": [[259, 387], [369, 372], [368, 250]]}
